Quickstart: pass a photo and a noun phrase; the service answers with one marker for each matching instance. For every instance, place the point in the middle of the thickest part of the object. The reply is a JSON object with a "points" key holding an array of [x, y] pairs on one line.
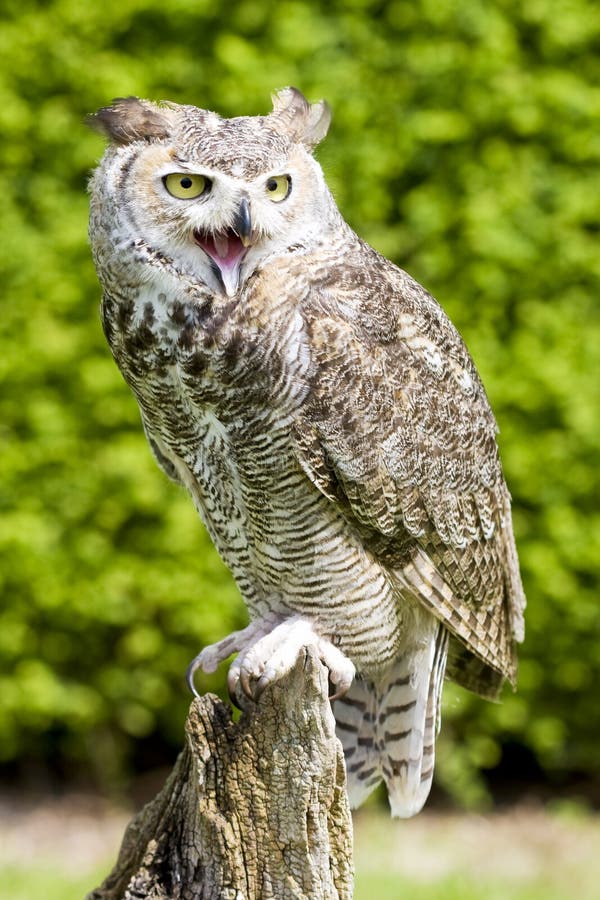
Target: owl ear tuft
{"points": [[304, 121], [130, 119]]}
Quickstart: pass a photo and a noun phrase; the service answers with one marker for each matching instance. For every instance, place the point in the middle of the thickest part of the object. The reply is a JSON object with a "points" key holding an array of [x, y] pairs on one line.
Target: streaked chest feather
{"points": [[243, 357]]}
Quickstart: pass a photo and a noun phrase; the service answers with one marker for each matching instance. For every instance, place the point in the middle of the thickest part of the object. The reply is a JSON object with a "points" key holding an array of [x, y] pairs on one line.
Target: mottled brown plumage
{"points": [[324, 415]]}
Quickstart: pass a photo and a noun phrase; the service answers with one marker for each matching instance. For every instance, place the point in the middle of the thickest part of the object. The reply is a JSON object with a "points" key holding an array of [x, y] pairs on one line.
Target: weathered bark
{"points": [[252, 810]]}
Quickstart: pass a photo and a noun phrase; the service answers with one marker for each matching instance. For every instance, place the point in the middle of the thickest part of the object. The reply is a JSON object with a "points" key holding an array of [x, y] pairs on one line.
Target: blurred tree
{"points": [[464, 146]]}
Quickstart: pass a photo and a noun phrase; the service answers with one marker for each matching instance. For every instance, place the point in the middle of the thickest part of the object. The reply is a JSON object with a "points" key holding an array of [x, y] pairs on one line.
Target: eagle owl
{"points": [[324, 415]]}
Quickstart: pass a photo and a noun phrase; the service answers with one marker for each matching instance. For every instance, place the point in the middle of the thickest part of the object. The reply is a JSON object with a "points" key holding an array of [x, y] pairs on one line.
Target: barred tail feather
{"points": [[409, 721], [355, 717], [388, 729]]}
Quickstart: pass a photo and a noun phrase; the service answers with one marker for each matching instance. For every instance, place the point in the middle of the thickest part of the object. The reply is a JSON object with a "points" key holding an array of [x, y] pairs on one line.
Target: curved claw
{"points": [[261, 684], [234, 696], [233, 679], [189, 675], [246, 686], [341, 690], [341, 682], [341, 669]]}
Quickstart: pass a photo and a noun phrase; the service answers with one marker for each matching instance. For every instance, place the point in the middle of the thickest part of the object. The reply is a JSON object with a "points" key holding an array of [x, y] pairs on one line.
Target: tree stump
{"points": [[253, 810]]}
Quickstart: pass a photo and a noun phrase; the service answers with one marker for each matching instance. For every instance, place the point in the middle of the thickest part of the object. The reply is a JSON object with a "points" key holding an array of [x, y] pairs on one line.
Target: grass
{"points": [[388, 888], [521, 854], [50, 882], [54, 883], [61, 853]]}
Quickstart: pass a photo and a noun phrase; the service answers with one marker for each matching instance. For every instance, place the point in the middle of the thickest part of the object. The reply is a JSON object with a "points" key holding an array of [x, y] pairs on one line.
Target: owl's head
{"points": [[217, 195]]}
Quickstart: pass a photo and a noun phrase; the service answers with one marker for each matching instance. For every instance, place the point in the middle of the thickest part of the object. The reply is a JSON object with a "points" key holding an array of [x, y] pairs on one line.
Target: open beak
{"points": [[228, 248]]}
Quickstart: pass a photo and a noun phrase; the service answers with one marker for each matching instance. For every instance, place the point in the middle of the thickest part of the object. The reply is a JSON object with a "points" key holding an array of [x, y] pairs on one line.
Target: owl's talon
{"points": [[342, 688], [261, 684], [341, 669], [247, 674], [245, 681], [233, 677], [342, 680], [190, 673], [235, 695], [233, 699]]}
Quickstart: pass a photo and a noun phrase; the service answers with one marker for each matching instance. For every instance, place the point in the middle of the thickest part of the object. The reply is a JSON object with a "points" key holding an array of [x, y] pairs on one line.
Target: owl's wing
{"points": [[397, 430]]}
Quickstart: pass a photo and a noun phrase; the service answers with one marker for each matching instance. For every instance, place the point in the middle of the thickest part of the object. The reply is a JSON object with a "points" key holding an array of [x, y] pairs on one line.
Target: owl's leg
{"points": [[268, 649]]}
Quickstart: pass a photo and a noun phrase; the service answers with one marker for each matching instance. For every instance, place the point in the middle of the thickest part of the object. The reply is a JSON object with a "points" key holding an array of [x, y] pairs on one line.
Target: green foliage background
{"points": [[465, 145]]}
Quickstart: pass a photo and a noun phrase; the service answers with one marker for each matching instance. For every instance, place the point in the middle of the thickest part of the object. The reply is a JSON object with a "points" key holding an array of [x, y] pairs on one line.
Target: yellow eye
{"points": [[278, 187], [186, 187]]}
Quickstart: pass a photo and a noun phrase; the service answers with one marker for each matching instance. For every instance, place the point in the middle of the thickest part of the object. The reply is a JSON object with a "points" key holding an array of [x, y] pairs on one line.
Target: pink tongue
{"points": [[235, 249]]}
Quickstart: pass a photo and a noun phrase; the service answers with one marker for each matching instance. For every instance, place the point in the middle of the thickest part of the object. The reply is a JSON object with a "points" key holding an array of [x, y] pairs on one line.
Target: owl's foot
{"points": [[275, 654], [268, 649], [209, 659]]}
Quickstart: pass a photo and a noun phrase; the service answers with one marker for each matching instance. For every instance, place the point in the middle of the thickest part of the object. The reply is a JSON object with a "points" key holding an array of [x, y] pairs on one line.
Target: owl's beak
{"points": [[243, 222]]}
